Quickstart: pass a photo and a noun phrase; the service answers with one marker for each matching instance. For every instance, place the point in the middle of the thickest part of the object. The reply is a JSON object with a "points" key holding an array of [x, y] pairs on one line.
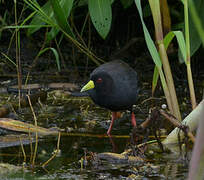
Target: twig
{"points": [[31, 147], [55, 153], [149, 99], [23, 151], [36, 134], [177, 123]]}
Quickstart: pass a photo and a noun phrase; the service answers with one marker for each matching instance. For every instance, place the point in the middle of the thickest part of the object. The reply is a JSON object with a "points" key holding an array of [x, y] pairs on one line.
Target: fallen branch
{"points": [[191, 121], [178, 124]]}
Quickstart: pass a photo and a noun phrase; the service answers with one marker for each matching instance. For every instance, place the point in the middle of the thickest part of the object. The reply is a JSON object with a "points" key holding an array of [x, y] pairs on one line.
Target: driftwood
{"points": [[36, 87], [120, 158]]}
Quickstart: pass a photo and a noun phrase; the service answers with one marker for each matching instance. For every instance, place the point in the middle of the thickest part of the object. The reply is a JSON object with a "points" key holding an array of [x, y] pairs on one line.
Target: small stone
{"points": [[164, 106]]}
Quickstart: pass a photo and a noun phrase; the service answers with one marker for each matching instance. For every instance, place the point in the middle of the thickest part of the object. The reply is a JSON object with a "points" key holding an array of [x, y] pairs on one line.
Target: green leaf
{"points": [[153, 50], [55, 53], [101, 16], [195, 40], [155, 79], [168, 38], [52, 34], [150, 44], [181, 42], [38, 19], [61, 18], [66, 7]]}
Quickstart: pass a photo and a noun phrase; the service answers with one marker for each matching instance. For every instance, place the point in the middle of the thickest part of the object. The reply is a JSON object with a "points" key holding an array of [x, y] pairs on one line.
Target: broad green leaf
{"points": [[150, 44], [195, 38], [196, 10], [101, 16], [66, 7], [61, 18], [39, 20]]}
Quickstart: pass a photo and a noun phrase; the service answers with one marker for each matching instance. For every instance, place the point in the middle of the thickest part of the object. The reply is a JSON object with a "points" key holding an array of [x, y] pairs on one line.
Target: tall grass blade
{"points": [[155, 55], [181, 42], [55, 53], [155, 79], [155, 9], [150, 44]]}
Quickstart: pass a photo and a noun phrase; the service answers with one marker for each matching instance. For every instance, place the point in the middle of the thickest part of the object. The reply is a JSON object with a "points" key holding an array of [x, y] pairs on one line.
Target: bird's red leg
{"points": [[114, 115], [133, 119]]}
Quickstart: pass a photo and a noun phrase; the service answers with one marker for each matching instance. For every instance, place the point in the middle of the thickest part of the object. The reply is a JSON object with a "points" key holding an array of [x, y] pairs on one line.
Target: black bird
{"points": [[114, 86]]}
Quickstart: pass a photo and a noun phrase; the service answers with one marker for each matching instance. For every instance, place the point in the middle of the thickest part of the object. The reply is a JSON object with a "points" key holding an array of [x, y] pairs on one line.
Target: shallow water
{"points": [[88, 123], [79, 115]]}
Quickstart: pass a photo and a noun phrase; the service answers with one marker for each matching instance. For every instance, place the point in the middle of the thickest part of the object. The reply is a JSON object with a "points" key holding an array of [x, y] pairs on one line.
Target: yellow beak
{"points": [[89, 85]]}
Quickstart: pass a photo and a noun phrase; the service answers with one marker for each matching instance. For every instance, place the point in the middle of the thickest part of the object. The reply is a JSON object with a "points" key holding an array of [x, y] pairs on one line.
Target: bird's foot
{"points": [[133, 120], [114, 116], [109, 132]]}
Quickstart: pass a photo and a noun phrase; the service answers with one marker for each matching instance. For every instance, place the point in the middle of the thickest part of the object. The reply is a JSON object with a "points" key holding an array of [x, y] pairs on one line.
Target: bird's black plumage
{"points": [[114, 86]]}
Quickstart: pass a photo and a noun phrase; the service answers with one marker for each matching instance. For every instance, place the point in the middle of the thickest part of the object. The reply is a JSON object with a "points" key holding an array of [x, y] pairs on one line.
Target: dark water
{"points": [[82, 116], [68, 166]]}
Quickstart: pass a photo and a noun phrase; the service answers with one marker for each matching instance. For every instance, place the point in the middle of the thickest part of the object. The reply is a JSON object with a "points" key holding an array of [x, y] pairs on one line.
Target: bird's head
{"points": [[101, 83]]}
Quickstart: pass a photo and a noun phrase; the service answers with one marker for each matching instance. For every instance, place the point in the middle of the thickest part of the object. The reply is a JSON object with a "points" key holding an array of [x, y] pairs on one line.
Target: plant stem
{"points": [[166, 91], [191, 86], [36, 134], [155, 8], [188, 64], [18, 62], [169, 80]]}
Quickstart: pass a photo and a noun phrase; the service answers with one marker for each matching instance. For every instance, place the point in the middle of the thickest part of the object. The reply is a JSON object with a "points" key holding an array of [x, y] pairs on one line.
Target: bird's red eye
{"points": [[99, 80]]}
